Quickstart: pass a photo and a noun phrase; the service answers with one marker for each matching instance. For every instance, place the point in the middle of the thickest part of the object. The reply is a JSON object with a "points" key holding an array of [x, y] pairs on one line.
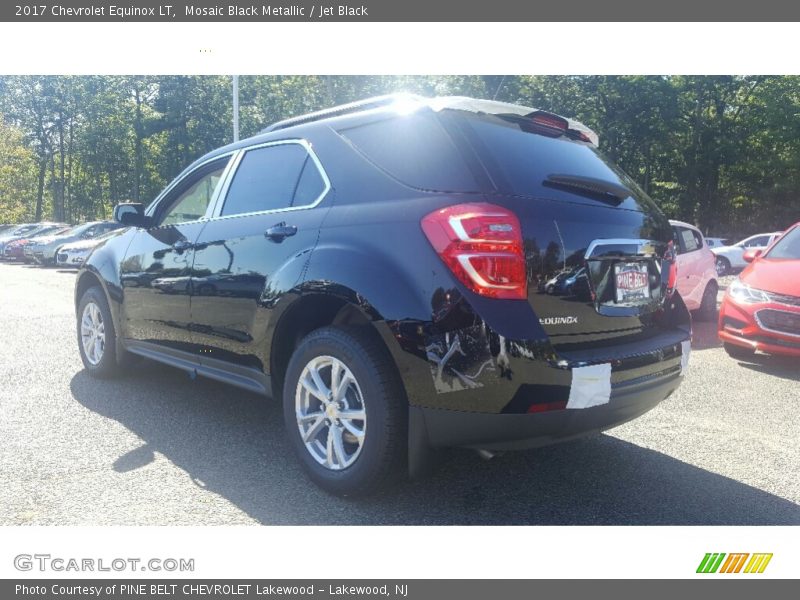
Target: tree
{"points": [[17, 175]]}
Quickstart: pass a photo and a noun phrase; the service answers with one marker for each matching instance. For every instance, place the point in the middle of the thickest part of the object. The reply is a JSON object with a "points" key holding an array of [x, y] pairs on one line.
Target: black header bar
{"points": [[402, 10]]}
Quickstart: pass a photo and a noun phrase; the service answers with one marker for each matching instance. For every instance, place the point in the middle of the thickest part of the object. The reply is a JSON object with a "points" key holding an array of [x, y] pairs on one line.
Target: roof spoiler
{"points": [[409, 102]]}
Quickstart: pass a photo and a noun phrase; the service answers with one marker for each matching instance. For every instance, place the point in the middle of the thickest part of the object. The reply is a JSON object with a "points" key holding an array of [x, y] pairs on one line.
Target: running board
{"points": [[242, 377]]}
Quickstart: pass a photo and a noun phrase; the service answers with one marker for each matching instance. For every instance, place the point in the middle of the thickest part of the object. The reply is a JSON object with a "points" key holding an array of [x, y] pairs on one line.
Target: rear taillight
{"points": [[482, 245]]}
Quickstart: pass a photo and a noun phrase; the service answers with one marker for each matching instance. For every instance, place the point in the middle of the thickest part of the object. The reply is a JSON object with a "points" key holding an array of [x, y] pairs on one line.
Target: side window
{"points": [[310, 186], [689, 240], [757, 242], [195, 195], [698, 238], [676, 239], [273, 177]]}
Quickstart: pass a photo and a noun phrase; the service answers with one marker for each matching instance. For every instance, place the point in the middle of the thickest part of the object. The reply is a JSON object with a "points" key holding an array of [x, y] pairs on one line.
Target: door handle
{"points": [[277, 233], [182, 246]]}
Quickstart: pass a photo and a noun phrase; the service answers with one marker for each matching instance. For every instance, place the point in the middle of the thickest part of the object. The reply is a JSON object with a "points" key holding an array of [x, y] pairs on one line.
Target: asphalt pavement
{"points": [[157, 448]]}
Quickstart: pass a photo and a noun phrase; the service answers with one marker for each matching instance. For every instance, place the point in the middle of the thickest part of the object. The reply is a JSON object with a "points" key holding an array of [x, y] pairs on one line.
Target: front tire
{"points": [[97, 339], [345, 411]]}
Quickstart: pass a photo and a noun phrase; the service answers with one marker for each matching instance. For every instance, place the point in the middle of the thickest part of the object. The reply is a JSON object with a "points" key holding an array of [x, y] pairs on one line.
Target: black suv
{"points": [[378, 267]]}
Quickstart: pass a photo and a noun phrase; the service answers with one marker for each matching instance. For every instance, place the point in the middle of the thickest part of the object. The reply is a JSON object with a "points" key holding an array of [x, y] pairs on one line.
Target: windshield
{"points": [[80, 229], [52, 231], [788, 246]]}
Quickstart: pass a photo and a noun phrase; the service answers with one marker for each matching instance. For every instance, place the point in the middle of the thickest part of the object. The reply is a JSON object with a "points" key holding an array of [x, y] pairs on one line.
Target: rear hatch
{"points": [[576, 210]]}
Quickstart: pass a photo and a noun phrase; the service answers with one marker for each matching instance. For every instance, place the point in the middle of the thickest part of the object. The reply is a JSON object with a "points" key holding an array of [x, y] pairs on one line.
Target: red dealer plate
{"points": [[632, 282]]}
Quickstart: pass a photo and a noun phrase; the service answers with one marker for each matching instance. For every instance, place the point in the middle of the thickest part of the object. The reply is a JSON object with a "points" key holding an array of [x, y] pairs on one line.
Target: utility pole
{"points": [[235, 108]]}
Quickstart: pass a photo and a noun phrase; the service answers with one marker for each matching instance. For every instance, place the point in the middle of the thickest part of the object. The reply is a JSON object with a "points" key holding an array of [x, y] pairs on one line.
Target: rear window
{"points": [[414, 149], [521, 161]]}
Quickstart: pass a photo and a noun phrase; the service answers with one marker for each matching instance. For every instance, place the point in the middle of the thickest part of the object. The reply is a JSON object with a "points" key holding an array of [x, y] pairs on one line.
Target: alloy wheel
{"points": [[93, 333], [330, 412]]}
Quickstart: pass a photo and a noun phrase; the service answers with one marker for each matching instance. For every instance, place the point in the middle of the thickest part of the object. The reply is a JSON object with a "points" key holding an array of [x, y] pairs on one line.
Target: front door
{"points": [[155, 273]]}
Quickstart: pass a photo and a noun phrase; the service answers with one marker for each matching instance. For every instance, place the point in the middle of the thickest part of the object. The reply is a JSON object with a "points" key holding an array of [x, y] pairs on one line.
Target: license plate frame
{"points": [[631, 282]]}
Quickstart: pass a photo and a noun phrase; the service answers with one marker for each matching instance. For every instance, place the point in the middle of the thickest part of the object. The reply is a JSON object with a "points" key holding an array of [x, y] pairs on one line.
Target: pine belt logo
{"points": [[734, 563]]}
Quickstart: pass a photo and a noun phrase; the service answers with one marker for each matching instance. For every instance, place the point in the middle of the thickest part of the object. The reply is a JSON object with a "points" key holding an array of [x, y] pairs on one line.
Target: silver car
{"points": [[73, 255], [44, 251], [24, 230]]}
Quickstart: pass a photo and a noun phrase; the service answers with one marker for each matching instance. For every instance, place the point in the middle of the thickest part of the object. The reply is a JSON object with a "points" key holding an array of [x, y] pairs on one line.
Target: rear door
{"points": [[253, 249]]}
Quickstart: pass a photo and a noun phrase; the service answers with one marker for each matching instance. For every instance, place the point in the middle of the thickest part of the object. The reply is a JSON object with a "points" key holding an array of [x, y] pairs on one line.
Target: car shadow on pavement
{"points": [[704, 335], [780, 366], [232, 444]]}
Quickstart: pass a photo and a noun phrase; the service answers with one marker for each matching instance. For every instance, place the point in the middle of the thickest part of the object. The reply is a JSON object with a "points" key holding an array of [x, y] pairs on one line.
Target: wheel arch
{"points": [[310, 311]]}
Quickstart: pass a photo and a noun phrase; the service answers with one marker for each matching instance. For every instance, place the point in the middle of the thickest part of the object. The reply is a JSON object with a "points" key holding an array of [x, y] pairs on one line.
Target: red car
{"points": [[14, 250], [761, 308]]}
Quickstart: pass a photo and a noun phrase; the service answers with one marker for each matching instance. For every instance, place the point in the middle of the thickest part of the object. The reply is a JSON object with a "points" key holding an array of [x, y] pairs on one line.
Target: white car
{"points": [[697, 278], [729, 258], [73, 255], [715, 242]]}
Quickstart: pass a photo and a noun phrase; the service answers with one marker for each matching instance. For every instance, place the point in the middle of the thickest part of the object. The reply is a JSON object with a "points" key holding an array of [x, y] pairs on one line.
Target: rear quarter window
{"points": [[415, 150]]}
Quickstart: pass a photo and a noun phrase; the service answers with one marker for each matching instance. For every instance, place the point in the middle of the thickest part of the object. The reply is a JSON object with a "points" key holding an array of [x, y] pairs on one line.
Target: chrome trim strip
{"points": [[639, 243], [778, 331], [217, 214]]}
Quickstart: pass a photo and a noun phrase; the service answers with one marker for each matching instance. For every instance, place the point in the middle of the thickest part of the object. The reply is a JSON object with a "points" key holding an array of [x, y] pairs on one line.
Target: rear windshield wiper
{"points": [[597, 189]]}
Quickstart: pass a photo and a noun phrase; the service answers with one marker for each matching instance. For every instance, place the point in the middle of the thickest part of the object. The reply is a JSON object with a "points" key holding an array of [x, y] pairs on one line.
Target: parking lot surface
{"points": [[157, 448]]}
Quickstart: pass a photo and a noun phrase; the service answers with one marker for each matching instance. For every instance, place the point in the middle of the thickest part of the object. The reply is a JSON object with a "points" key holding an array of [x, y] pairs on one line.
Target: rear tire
{"points": [[739, 352], [356, 441], [708, 305]]}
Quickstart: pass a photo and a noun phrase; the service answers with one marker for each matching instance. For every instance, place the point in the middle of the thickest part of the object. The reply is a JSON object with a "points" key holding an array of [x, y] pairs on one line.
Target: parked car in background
{"points": [[398, 318], [715, 242], [697, 275], [44, 250], [27, 230], [73, 254], [761, 308], [15, 249], [555, 285], [731, 258]]}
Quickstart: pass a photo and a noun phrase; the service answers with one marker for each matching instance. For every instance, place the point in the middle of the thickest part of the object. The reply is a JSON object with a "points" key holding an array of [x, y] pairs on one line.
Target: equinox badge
{"points": [[558, 321]]}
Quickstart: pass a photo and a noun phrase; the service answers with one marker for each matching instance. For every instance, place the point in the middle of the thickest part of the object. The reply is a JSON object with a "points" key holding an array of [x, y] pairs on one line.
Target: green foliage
{"points": [[17, 175], [720, 151]]}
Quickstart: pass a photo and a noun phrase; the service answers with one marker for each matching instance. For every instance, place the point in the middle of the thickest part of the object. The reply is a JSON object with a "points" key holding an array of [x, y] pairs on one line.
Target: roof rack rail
{"points": [[343, 109]]}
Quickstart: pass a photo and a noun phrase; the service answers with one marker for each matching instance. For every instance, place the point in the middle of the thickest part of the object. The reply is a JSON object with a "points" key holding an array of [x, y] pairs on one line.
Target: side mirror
{"points": [[752, 254], [130, 214]]}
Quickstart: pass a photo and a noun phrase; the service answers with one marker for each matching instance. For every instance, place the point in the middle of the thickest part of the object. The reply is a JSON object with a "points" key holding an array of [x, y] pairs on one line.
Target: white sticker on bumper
{"points": [[686, 350], [591, 386]]}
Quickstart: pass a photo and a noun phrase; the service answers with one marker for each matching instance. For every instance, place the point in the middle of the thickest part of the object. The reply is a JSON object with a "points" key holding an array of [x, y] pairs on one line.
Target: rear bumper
{"points": [[446, 428]]}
